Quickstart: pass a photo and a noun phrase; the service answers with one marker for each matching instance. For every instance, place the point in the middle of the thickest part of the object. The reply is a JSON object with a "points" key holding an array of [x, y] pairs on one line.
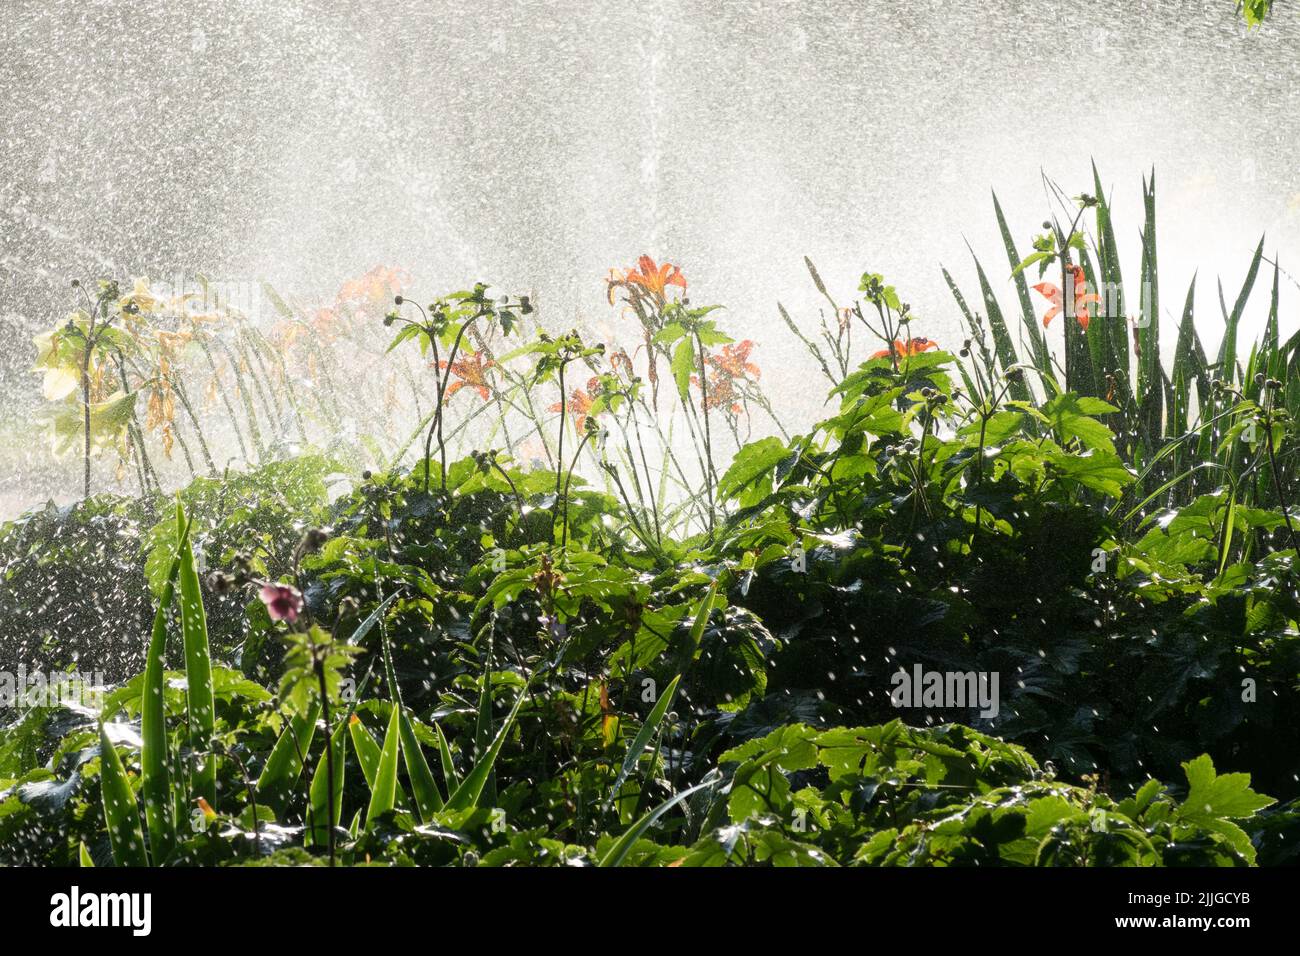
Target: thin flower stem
{"points": [[564, 542], [711, 478]]}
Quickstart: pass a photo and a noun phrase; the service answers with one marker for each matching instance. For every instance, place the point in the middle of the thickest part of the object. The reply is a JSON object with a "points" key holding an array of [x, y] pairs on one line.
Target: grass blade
{"points": [[1115, 326], [1189, 363], [642, 738], [1228, 347], [1006, 350], [1150, 377], [1229, 524], [617, 852], [1270, 327], [449, 773], [467, 794], [1037, 341]]}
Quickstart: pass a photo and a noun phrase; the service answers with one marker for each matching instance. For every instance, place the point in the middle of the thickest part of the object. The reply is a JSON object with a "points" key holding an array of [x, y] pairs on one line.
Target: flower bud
{"points": [[314, 539], [221, 583]]}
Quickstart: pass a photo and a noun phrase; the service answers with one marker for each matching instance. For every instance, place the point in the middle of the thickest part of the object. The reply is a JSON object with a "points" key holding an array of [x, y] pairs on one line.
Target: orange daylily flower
{"points": [[729, 366], [324, 320], [381, 282], [903, 349], [171, 344], [579, 404], [654, 279], [470, 370], [1081, 297], [722, 392], [733, 360], [620, 359]]}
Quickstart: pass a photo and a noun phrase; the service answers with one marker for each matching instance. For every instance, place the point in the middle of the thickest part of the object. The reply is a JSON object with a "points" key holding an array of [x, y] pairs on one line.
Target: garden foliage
{"points": [[594, 658]]}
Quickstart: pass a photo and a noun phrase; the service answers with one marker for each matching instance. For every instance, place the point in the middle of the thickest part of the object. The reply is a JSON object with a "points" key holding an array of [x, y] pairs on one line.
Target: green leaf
{"points": [[155, 778], [449, 774], [701, 620], [684, 366], [1029, 323], [198, 667], [616, 853], [752, 466], [1098, 470], [1255, 11], [428, 800], [1189, 366], [322, 819], [1006, 350], [121, 814], [1030, 259], [467, 794], [1211, 794], [670, 333], [108, 422], [284, 765], [642, 738], [383, 790], [1070, 415], [1228, 347], [1112, 329], [367, 750]]}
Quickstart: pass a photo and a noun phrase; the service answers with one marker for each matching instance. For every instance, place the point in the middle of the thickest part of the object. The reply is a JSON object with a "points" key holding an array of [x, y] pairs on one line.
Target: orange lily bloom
{"points": [[1081, 297], [471, 370], [911, 347], [722, 392], [730, 365], [733, 360], [654, 279], [381, 282], [579, 404], [324, 321]]}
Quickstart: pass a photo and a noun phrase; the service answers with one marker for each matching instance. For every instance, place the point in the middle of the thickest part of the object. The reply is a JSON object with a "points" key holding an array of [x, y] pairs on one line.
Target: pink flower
{"points": [[283, 601]]}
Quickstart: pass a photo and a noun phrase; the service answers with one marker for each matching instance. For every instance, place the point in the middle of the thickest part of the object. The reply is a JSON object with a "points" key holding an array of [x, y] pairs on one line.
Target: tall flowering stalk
{"points": [[446, 322]]}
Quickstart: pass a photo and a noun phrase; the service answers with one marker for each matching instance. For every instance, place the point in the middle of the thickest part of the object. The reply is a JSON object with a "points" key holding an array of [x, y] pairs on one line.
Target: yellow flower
{"points": [[59, 359], [140, 299]]}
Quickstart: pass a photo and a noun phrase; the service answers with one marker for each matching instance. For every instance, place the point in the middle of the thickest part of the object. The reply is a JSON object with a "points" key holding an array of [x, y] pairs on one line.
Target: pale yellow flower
{"points": [[140, 298]]}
